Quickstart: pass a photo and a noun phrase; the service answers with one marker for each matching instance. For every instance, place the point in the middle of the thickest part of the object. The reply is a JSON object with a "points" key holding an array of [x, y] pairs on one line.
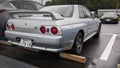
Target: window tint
{"points": [[87, 13], [65, 11], [81, 13], [37, 5], [28, 5]]}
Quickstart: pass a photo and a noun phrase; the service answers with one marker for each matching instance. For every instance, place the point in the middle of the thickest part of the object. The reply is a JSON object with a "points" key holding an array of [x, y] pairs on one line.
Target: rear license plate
{"points": [[107, 19], [26, 43]]}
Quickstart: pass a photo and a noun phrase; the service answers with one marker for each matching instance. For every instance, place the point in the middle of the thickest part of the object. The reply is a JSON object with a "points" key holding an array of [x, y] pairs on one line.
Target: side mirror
{"points": [[95, 15]]}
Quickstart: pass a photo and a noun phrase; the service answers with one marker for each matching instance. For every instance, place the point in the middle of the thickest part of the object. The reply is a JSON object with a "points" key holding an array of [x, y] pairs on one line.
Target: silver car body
{"points": [[68, 27]]}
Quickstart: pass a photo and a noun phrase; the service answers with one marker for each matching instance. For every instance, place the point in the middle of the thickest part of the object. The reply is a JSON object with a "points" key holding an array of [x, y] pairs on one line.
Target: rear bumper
{"points": [[41, 48], [111, 21], [41, 42]]}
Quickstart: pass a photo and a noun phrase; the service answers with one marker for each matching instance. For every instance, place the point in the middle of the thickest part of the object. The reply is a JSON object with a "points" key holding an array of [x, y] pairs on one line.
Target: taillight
{"points": [[7, 26], [54, 30], [2, 10], [42, 29], [12, 27]]}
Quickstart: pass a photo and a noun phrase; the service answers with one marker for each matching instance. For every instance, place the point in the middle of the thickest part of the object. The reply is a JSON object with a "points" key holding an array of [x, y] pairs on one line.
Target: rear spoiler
{"points": [[53, 15]]}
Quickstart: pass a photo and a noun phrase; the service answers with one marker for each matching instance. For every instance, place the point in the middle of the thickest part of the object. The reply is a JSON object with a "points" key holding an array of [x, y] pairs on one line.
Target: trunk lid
{"points": [[30, 25]]}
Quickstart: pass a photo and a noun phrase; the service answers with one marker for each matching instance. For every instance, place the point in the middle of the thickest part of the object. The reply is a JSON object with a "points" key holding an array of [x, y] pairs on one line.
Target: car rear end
{"points": [[110, 18], [35, 30]]}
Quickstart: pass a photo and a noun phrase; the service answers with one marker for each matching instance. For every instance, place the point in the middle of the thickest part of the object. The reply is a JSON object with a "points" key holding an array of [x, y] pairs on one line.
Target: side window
{"points": [[23, 5], [37, 5], [16, 4], [27, 5], [81, 13], [87, 13]]}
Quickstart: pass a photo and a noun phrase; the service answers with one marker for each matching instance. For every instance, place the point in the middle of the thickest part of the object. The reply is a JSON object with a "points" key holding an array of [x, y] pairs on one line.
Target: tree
{"points": [[91, 4], [48, 3]]}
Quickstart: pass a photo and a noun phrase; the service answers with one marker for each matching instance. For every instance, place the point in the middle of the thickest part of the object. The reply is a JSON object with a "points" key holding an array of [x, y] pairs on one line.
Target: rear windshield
{"points": [[109, 15], [65, 11], [28, 5]]}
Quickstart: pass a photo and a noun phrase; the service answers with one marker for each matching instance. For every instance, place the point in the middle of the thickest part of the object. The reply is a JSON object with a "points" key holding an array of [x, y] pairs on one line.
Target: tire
{"points": [[97, 35], [78, 44]]}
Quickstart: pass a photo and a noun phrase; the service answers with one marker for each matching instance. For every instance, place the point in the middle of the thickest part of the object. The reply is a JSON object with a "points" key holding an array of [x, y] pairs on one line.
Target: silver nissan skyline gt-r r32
{"points": [[53, 28]]}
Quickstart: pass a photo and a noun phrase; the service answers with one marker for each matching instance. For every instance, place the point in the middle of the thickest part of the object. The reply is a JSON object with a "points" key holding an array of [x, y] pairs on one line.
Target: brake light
{"points": [[7, 26], [2, 10], [43, 29], [54, 30], [12, 27]]}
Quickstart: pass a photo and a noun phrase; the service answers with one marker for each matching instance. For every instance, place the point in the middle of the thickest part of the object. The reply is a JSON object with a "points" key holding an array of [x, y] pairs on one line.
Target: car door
{"points": [[91, 22], [84, 20]]}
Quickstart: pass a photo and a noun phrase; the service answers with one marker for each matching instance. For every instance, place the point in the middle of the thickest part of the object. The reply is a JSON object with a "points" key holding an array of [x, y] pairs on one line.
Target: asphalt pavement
{"points": [[14, 57]]}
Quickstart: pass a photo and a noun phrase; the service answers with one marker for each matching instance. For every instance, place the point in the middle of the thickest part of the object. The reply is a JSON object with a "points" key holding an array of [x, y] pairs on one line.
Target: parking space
{"points": [[111, 28], [92, 50], [54, 26], [114, 57], [95, 48]]}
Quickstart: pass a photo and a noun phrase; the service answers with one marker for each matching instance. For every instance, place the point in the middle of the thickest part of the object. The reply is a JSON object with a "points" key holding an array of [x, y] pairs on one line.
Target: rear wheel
{"points": [[78, 43]]}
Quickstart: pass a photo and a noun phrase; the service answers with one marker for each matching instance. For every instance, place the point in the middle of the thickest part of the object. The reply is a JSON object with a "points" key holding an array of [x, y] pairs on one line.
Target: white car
{"points": [[54, 28]]}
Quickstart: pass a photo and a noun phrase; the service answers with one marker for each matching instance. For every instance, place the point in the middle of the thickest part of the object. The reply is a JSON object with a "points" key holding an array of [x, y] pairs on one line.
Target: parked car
{"points": [[110, 17], [53, 28], [15, 5]]}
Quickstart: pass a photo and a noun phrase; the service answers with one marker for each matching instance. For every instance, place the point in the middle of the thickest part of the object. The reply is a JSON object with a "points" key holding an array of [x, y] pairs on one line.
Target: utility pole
{"points": [[117, 6]]}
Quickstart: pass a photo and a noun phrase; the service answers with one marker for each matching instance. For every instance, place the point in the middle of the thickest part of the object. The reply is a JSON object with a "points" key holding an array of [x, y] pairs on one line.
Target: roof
{"points": [[68, 5], [24, 0]]}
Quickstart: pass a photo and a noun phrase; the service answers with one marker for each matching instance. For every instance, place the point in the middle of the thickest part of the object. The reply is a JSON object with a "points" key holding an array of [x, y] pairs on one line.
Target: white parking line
{"points": [[107, 51], [107, 33]]}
